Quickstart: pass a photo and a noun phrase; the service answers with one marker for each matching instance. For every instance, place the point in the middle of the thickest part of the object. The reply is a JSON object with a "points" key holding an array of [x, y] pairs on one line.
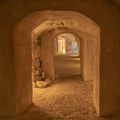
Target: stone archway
{"points": [[29, 28], [86, 50]]}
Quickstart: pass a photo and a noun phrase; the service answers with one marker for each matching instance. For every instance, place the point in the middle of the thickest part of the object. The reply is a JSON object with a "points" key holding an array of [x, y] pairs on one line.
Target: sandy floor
{"points": [[67, 65], [67, 99]]}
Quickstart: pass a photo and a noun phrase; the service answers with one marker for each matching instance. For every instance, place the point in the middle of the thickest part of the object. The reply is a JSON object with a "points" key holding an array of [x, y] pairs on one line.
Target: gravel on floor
{"points": [[67, 99]]}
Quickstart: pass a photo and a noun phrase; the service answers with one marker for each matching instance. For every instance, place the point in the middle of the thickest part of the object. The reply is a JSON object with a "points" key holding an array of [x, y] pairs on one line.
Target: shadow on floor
{"points": [[34, 113]]}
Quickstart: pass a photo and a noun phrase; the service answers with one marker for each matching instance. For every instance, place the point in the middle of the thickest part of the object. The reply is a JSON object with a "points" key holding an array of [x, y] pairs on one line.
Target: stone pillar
{"points": [[47, 55], [87, 52], [55, 46]]}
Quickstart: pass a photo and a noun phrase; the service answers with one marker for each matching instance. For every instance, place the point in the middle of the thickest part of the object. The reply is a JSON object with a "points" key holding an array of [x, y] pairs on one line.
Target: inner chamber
{"points": [[67, 55]]}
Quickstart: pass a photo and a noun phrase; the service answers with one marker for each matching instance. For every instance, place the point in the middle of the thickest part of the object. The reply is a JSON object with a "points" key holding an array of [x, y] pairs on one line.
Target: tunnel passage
{"points": [[74, 21], [66, 55], [66, 43]]}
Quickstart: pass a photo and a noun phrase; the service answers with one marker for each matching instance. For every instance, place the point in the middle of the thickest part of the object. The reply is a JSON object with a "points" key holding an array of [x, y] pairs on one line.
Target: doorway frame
{"points": [[28, 29]]}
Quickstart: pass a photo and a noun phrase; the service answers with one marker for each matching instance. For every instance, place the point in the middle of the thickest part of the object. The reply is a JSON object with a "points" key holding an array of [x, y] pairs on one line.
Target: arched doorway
{"points": [[29, 29], [66, 43], [66, 57]]}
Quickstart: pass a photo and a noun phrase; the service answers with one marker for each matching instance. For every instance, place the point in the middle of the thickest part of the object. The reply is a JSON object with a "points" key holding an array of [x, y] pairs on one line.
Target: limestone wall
{"points": [[104, 12], [47, 55]]}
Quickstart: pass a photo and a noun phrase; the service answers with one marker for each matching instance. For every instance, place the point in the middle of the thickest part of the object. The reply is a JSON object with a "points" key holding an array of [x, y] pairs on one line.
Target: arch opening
{"points": [[66, 43], [67, 58], [24, 38]]}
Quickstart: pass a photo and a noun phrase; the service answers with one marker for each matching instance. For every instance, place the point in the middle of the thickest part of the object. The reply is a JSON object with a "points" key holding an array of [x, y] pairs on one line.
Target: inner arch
{"points": [[38, 23]]}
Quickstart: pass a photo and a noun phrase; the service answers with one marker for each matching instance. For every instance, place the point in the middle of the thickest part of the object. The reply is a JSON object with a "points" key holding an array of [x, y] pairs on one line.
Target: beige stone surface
{"points": [[67, 65], [104, 12], [47, 55]]}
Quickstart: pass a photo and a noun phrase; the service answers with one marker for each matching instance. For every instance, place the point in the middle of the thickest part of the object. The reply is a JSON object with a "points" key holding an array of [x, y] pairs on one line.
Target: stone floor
{"points": [[66, 99], [67, 65]]}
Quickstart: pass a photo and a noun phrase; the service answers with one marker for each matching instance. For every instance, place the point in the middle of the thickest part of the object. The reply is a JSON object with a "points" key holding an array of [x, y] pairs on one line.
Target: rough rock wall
{"points": [[104, 12], [47, 55]]}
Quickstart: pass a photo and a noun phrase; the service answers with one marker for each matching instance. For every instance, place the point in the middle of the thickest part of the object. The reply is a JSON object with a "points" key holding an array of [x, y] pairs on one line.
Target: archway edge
{"points": [[37, 19]]}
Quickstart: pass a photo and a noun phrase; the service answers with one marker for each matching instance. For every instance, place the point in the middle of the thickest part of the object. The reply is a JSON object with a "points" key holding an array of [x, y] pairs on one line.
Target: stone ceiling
{"points": [[117, 1]]}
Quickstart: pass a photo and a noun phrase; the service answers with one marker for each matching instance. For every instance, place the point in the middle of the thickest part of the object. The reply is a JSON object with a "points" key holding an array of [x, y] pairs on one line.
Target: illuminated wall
{"points": [[66, 43]]}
